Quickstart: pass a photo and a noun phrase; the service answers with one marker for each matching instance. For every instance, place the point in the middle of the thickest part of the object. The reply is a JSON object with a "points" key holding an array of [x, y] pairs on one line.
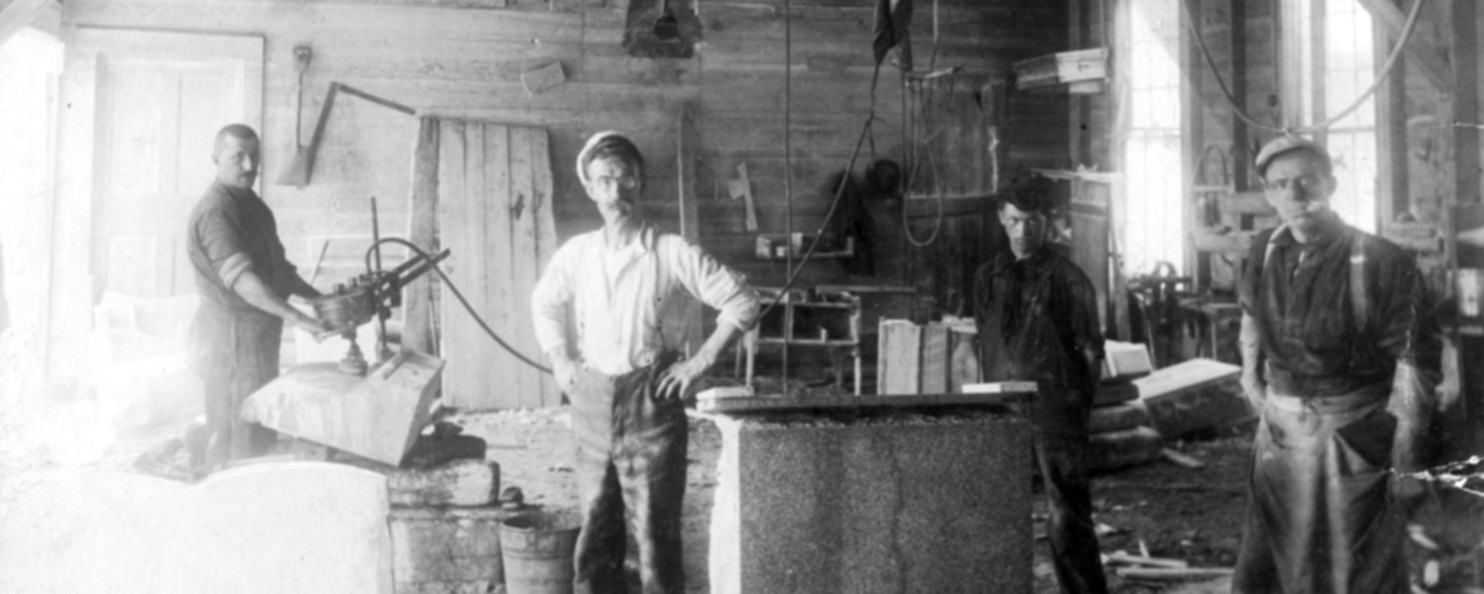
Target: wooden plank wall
{"points": [[464, 59]]}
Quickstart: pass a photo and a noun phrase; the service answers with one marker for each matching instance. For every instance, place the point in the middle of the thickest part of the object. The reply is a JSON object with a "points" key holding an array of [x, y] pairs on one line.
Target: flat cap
{"points": [[1284, 144], [592, 143]]}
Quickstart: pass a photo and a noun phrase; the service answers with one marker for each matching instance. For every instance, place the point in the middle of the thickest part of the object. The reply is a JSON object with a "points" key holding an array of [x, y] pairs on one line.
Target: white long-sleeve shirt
{"points": [[625, 301]]}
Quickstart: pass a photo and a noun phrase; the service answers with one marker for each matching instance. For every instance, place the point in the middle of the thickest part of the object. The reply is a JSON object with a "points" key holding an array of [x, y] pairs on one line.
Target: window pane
{"points": [[1152, 163]]}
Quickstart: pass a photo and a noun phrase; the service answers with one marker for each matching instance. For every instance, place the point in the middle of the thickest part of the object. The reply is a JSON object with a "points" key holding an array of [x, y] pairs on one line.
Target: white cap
{"points": [[588, 148]]}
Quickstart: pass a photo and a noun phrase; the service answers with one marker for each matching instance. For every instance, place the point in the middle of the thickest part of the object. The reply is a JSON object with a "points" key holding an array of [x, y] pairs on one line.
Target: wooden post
{"points": [[1465, 101]]}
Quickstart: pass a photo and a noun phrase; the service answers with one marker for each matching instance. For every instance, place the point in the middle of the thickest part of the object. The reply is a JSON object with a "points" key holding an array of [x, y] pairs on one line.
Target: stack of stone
{"points": [[1121, 432]]}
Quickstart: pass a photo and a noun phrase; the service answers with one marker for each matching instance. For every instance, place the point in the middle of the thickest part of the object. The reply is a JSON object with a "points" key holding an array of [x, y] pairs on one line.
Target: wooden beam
{"points": [[1238, 32], [1395, 185], [16, 15], [1465, 44], [1427, 57]]}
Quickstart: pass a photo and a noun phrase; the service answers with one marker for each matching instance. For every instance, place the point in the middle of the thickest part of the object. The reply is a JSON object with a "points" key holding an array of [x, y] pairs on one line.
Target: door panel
{"points": [[494, 211], [160, 100]]}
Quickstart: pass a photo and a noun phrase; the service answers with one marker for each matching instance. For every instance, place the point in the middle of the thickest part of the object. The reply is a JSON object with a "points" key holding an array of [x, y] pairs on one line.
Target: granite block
{"points": [[921, 500]]}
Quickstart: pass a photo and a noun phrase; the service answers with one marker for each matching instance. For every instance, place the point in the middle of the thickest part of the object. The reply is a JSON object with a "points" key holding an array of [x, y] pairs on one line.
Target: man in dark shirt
{"points": [[1339, 355], [244, 281], [1037, 318]]}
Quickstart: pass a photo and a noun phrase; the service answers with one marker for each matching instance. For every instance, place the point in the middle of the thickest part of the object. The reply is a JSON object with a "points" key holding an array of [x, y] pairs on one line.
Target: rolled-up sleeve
{"points": [[221, 238], [714, 284], [549, 301]]}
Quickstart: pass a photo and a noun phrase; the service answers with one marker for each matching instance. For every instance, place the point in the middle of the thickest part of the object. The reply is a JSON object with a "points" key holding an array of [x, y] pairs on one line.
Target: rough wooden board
{"points": [[543, 78], [420, 331], [266, 527], [764, 404], [377, 416], [495, 212]]}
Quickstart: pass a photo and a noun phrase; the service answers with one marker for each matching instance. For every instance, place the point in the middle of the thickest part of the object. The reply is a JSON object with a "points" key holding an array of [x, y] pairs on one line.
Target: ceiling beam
{"points": [[16, 14], [1420, 51]]}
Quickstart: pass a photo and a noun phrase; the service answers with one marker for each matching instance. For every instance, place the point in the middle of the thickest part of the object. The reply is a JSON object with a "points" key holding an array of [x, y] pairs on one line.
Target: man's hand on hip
{"points": [[676, 380]]}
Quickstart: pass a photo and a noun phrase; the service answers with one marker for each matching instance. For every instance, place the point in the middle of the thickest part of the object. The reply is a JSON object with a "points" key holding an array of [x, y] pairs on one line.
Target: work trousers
{"points": [[1060, 440], [234, 355], [1319, 515], [631, 450]]}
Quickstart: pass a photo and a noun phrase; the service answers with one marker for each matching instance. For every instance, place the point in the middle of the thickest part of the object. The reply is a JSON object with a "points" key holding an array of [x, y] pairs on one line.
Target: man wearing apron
{"points": [[1037, 317], [624, 285], [244, 280], [1339, 356]]}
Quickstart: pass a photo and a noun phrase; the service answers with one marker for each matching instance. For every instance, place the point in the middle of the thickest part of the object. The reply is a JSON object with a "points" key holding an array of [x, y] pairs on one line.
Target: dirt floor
{"points": [[1168, 510]]}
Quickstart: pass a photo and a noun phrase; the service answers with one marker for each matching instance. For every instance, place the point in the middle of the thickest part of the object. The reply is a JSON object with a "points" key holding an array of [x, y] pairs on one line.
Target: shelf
{"points": [[776, 247]]}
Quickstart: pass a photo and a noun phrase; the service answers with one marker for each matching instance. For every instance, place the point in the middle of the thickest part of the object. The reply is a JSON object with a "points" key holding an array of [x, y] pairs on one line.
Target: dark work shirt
{"points": [[1038, 321], [1311, 341], [232, 231]]}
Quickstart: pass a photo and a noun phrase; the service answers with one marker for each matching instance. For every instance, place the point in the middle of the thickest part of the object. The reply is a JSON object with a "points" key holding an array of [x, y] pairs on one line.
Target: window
{"points": [[1336, 62], [1151, 149]]}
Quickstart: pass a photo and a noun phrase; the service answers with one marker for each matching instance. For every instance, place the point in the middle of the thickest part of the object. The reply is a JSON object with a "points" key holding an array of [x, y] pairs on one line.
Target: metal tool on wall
{"points": [[302, 167], [290, 176]]}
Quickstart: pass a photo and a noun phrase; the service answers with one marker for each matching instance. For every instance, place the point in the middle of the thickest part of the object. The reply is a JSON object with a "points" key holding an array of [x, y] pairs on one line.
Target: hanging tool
{"points": [[302, 167], [291, 176], [742, 188]]}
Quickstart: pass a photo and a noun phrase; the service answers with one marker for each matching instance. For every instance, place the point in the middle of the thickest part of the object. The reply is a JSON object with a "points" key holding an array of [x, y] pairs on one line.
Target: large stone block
{"points": [[447, 550], [910, 501], [1192, 395]]}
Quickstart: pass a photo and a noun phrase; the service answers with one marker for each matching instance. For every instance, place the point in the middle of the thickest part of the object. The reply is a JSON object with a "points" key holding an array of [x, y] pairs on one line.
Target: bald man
{"points": [[244, 281]]}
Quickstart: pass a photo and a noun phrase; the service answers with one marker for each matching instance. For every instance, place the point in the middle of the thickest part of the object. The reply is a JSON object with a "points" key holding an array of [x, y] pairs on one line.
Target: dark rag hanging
{"points": [[892, 20]]}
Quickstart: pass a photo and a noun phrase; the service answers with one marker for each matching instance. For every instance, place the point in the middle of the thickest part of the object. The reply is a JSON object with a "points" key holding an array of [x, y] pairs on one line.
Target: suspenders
{"points": [[1360, 302]]}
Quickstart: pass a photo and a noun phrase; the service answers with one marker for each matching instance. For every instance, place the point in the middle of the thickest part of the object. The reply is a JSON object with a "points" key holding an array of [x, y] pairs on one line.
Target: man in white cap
{"points": [[1340, 356], [624, 285]]}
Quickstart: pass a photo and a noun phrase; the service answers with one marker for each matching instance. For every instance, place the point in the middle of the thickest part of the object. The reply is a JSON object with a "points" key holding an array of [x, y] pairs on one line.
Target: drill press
{"points": [[369, 295]]}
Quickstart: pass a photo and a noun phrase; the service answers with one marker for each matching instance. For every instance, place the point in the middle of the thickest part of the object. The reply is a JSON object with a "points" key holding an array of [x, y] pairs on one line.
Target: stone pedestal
{"points": [[892, 501]]}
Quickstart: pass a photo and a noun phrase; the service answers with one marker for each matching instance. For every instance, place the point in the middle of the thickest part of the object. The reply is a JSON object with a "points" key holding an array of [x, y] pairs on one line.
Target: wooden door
{"points": [[161, 98], [494, 215]]}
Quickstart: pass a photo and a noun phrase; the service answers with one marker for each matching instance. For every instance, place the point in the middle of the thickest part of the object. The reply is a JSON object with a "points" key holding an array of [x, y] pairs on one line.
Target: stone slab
{"points": [[888, 502], [1127, 447], [1192, 395], [377, 416], [1117, 417]]}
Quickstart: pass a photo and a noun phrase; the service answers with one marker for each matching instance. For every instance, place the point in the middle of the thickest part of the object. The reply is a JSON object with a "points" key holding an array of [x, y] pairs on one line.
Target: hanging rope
{"points": [[1386, 69]]}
